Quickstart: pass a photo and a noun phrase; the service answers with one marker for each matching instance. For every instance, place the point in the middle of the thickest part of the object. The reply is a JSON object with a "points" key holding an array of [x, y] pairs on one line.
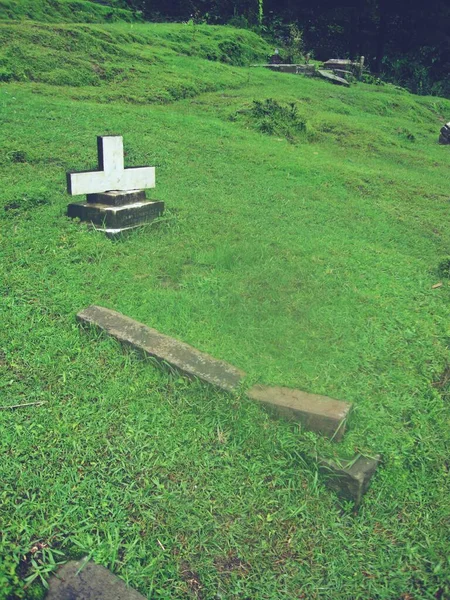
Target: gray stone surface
{"points": [[116, 217], [93, 582], [333, 78], [350, 479], [117, 198], [179, 355], [317, 413]]}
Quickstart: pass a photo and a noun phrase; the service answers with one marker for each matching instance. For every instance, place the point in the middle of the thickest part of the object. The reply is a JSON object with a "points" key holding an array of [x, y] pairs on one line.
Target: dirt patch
{"points": [[192, 579], [231, 564], [443, 381]]}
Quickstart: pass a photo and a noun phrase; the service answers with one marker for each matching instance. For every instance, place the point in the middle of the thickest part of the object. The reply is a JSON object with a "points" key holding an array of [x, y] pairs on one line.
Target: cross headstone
{"points": [[116, 198], [111, 174]]}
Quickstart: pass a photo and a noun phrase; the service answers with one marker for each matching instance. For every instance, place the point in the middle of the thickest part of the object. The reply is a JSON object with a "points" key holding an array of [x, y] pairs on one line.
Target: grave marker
{"points": [[116, 200]]}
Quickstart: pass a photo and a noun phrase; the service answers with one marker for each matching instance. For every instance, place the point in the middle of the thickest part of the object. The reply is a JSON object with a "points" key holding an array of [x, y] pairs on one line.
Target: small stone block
{"points": [[116, 217], [78, 581], [317, 413], [117, 198], [179, 355], [351, 478]]}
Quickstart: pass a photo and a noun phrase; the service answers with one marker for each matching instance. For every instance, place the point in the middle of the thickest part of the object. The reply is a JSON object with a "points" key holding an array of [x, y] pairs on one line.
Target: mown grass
{"points": [[306, 261]]}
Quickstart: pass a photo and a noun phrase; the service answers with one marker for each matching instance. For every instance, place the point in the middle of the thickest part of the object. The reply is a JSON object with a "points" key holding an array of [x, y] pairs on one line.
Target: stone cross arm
{"points": [[111, 174]]}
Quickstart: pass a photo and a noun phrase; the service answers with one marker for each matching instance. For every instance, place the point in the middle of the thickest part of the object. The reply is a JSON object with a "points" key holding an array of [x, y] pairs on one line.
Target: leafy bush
{"points": [[272, 118]]}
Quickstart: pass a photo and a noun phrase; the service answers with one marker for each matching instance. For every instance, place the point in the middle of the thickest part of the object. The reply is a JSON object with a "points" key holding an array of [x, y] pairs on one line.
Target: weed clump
{"points": [[273, 118], [444, 267]]}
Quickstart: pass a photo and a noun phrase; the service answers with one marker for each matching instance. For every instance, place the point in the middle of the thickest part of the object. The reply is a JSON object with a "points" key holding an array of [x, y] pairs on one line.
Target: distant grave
{"points": [[115, 195], [444, 137]]}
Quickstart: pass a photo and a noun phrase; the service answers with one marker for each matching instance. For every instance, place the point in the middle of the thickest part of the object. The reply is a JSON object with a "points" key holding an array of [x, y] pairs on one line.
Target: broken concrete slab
{"points": [[317, 413], [165, 349], [333, 78], [80, 580], [351, 478]]}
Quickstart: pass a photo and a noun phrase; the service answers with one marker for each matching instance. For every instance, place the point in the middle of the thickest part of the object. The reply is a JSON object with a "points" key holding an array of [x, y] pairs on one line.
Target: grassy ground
{"points": [[62, 11], [306, 257]]}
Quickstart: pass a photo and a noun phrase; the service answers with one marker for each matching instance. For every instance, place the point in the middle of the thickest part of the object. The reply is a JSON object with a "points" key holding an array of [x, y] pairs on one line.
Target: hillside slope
{"points": [[305, 240], [63, 11]]}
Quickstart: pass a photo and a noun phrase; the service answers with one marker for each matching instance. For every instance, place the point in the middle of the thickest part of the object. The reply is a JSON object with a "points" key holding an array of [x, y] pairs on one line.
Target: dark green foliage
{"points": [[444, 267], [275, 118]]}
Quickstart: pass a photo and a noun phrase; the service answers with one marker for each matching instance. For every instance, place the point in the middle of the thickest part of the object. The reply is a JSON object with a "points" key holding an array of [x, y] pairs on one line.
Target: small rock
{"points": [[79, 581]]}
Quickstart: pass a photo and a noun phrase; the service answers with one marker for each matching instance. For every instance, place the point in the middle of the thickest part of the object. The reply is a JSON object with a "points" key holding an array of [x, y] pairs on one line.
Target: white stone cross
{"points": [[111, 176]]}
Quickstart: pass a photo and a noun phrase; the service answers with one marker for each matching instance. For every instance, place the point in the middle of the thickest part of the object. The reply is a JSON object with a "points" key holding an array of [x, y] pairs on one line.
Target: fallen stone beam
{"points": [[317, 413], [351, 478], [333, 78], [163, 348], [77, 580]]}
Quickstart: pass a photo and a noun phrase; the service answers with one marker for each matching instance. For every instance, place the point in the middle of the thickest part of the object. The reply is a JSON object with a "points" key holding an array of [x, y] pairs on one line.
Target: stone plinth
{"points": [[316, 413], [126, 214], [78, 581], [165, 349]]}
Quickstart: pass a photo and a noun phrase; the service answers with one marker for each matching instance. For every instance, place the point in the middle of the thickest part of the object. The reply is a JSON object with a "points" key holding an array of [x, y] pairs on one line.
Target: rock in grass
{"points": [[350, 479], [165, 349], [317, 413], [77, 580]]}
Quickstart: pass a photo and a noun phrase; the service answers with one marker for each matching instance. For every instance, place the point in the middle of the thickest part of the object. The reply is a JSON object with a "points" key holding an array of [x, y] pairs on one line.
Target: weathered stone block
{"points": [[178, 355], [92, 582], [116, 217], [117, 198], [350, 479], [317, 413], [331, 77]]}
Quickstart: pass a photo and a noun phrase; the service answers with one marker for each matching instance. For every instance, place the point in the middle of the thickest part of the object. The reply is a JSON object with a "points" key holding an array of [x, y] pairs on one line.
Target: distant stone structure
{"points": [[444, 137], [116, 200], [275, 59]]}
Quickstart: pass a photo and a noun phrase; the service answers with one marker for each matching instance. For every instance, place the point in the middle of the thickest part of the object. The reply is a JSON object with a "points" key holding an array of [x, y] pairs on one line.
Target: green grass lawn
{"points": [[307, 259]]}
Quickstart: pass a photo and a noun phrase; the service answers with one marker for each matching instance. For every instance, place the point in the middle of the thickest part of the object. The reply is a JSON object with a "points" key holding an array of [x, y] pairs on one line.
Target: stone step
{"points": [[317, 413], [178, 355], [81, 580], [116, 217]]}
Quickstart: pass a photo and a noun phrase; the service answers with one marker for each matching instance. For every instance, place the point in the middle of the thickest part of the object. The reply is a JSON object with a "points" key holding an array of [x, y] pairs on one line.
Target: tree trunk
{"points": [[382, 33]]}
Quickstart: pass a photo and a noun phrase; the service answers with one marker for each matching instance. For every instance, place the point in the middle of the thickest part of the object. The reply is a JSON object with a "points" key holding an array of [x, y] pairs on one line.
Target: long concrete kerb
{"points": [[178, 355], [321, 414]]}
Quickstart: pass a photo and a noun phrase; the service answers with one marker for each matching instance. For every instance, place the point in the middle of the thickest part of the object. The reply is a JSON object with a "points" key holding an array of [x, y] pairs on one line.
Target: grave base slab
{"points": [[317, 413], [350, 479], [116, 217], [78, 581]]}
